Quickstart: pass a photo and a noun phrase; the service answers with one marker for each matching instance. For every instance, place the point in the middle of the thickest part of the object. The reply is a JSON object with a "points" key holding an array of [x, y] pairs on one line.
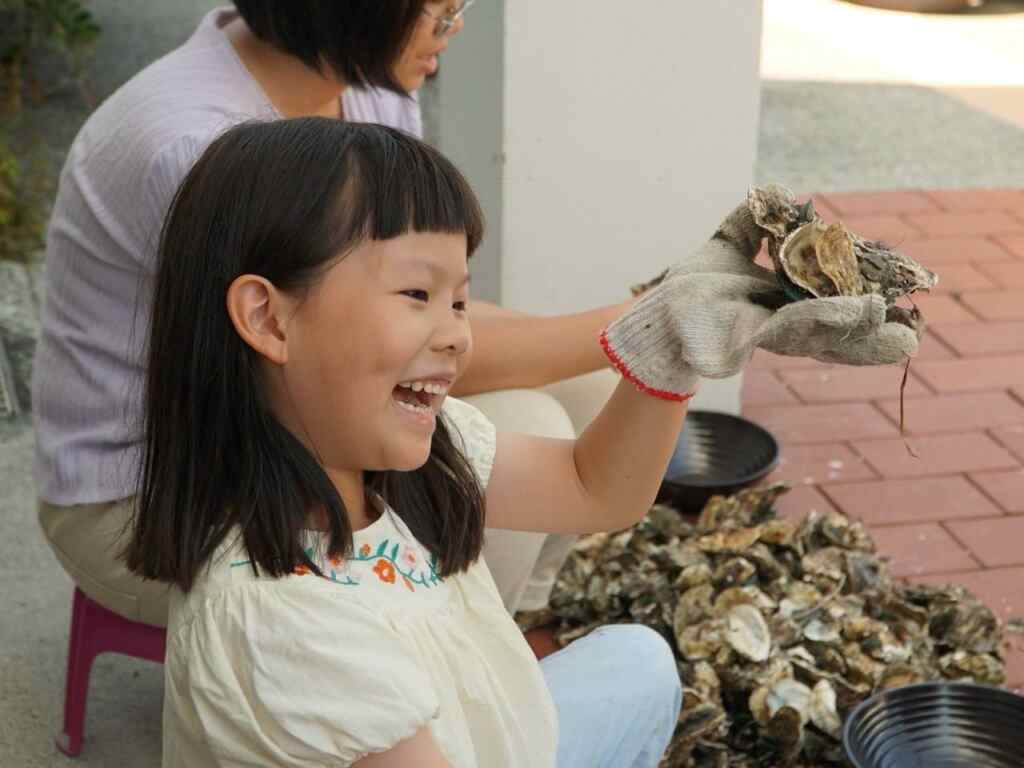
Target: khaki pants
{"points": [[87, 538]]}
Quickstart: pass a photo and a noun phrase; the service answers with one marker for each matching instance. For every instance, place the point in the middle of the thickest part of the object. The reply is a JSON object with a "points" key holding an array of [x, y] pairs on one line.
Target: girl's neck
{"points": [[294, 89], [362, 510]]}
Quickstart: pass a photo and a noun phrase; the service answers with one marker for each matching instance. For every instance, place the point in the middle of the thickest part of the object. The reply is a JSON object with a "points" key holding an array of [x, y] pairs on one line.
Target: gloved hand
{"points": [[716, 306]]}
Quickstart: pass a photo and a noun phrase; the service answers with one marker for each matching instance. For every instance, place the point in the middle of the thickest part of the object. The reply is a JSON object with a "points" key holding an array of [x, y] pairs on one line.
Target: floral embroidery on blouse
{"points": [[410, 558], [390, 562], [385, 571], [394, 561]]}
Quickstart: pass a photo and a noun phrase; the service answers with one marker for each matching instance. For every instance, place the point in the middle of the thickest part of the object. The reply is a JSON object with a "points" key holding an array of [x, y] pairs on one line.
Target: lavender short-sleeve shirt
{"points": [[116, 186]]}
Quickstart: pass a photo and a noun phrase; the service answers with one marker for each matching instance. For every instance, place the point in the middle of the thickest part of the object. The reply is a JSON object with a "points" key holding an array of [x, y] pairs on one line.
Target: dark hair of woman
{"points": [[359, 40], [284, 200]]}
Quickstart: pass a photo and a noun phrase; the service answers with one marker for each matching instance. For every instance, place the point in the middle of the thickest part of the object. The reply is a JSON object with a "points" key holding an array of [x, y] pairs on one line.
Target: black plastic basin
{"points": [[937, 725], [717, 453]]}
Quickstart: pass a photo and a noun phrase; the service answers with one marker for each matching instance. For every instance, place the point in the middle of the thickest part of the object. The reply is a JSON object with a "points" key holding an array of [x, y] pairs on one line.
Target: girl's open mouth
{"points": [[422, 398]]}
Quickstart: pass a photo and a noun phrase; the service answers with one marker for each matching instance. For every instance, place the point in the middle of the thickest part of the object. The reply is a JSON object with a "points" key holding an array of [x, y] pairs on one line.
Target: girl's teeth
{"points": [[414, 408], [419, 386]]}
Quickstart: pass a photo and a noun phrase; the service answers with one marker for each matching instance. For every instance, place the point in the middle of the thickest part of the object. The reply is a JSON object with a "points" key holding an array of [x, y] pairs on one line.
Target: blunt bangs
{"points": [[394, 186]]}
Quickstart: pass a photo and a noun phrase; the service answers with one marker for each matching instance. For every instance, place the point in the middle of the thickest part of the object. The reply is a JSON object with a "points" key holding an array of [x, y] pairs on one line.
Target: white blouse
{"points": [[309, 671]]}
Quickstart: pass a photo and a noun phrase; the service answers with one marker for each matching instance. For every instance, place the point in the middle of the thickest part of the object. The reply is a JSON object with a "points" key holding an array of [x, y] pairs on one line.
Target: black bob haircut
{"points": [[360, 40], [285, 200]]}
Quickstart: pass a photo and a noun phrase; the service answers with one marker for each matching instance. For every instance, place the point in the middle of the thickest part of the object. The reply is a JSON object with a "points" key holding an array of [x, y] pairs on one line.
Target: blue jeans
{"points": [[618, 698]]}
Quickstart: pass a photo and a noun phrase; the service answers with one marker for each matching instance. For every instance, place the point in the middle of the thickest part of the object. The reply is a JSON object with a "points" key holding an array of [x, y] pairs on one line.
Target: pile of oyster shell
{"points": [[779, 628]]}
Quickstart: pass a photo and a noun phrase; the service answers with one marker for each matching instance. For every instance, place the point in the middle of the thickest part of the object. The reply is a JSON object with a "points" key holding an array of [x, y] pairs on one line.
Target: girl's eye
{"points": [[418, 295]]}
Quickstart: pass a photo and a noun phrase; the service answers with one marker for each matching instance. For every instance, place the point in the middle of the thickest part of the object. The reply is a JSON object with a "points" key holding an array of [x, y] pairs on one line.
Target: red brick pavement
{"points": [[956, 513]]}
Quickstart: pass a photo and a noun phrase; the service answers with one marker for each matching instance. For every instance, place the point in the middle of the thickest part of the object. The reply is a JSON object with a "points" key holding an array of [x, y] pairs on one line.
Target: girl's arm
{"points": [[515, 350], [418, 751], [605, 480], [705, 318]]}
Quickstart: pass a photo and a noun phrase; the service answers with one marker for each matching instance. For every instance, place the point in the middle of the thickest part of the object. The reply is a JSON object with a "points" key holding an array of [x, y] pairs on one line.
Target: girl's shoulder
{"points": [[474, 434]]}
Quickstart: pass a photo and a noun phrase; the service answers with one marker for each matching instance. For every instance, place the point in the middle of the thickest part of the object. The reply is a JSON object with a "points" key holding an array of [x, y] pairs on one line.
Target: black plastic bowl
{"points": [[937, 725], [717, 453]]}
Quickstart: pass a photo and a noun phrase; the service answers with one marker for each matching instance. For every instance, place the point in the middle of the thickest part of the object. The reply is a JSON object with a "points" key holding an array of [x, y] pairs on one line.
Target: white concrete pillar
{"points": [[627, 132]]}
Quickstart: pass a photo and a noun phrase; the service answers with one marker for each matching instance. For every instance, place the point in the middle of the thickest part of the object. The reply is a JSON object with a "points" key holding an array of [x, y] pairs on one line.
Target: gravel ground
{"points": [[831, 137]]}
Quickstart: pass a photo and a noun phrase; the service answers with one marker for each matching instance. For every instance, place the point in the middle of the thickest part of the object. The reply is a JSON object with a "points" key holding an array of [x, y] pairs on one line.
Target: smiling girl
{"points": [[321, 517], [306, 490]]}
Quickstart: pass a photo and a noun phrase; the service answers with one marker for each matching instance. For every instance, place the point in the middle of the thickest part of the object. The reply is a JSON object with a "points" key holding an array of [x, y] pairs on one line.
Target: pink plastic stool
{"points": [[95, 630]]}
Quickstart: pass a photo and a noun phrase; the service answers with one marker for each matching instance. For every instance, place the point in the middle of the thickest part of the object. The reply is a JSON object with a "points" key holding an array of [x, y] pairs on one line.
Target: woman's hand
{"points": [[716, 306]]}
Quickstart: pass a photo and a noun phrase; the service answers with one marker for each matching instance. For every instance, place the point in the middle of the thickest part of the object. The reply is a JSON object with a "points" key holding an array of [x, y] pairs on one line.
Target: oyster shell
{"points": [[701, 642], [822, 709], [982, 668], [748, 633], [965, 624], [786, 729], [899, 675], [775, 210], [694, 606], [733, 572], [693, 576], [767, 700], [817, 260], [820, 631], [750, 595]]}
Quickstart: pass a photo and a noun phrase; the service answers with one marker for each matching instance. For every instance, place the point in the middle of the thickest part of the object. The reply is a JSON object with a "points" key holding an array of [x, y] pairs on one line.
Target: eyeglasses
{"points": [[450, 19]]}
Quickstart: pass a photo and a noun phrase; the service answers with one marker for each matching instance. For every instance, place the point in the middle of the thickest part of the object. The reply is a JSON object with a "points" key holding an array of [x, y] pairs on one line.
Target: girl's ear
{"points": [[259, 313]]}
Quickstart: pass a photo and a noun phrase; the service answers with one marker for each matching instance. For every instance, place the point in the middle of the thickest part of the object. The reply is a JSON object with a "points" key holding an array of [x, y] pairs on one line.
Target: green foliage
{"points": [[22, 221], [34, 32], [44, 47]]}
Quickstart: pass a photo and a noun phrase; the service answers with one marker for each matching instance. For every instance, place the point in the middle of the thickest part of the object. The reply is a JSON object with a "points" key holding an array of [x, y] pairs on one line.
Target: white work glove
{"points": [[715, 307]]}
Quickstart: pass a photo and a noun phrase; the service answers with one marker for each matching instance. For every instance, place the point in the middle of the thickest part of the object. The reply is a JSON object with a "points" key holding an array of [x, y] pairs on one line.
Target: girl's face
{"points": [[373, 350], [419, 59]]}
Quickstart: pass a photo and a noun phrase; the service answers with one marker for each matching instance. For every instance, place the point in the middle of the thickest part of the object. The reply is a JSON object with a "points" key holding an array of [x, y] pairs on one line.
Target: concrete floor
{"points": [[125, 698]]}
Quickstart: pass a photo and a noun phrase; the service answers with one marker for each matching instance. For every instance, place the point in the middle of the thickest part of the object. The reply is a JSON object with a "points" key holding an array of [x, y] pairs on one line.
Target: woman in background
{"points": [[359, 61]]}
